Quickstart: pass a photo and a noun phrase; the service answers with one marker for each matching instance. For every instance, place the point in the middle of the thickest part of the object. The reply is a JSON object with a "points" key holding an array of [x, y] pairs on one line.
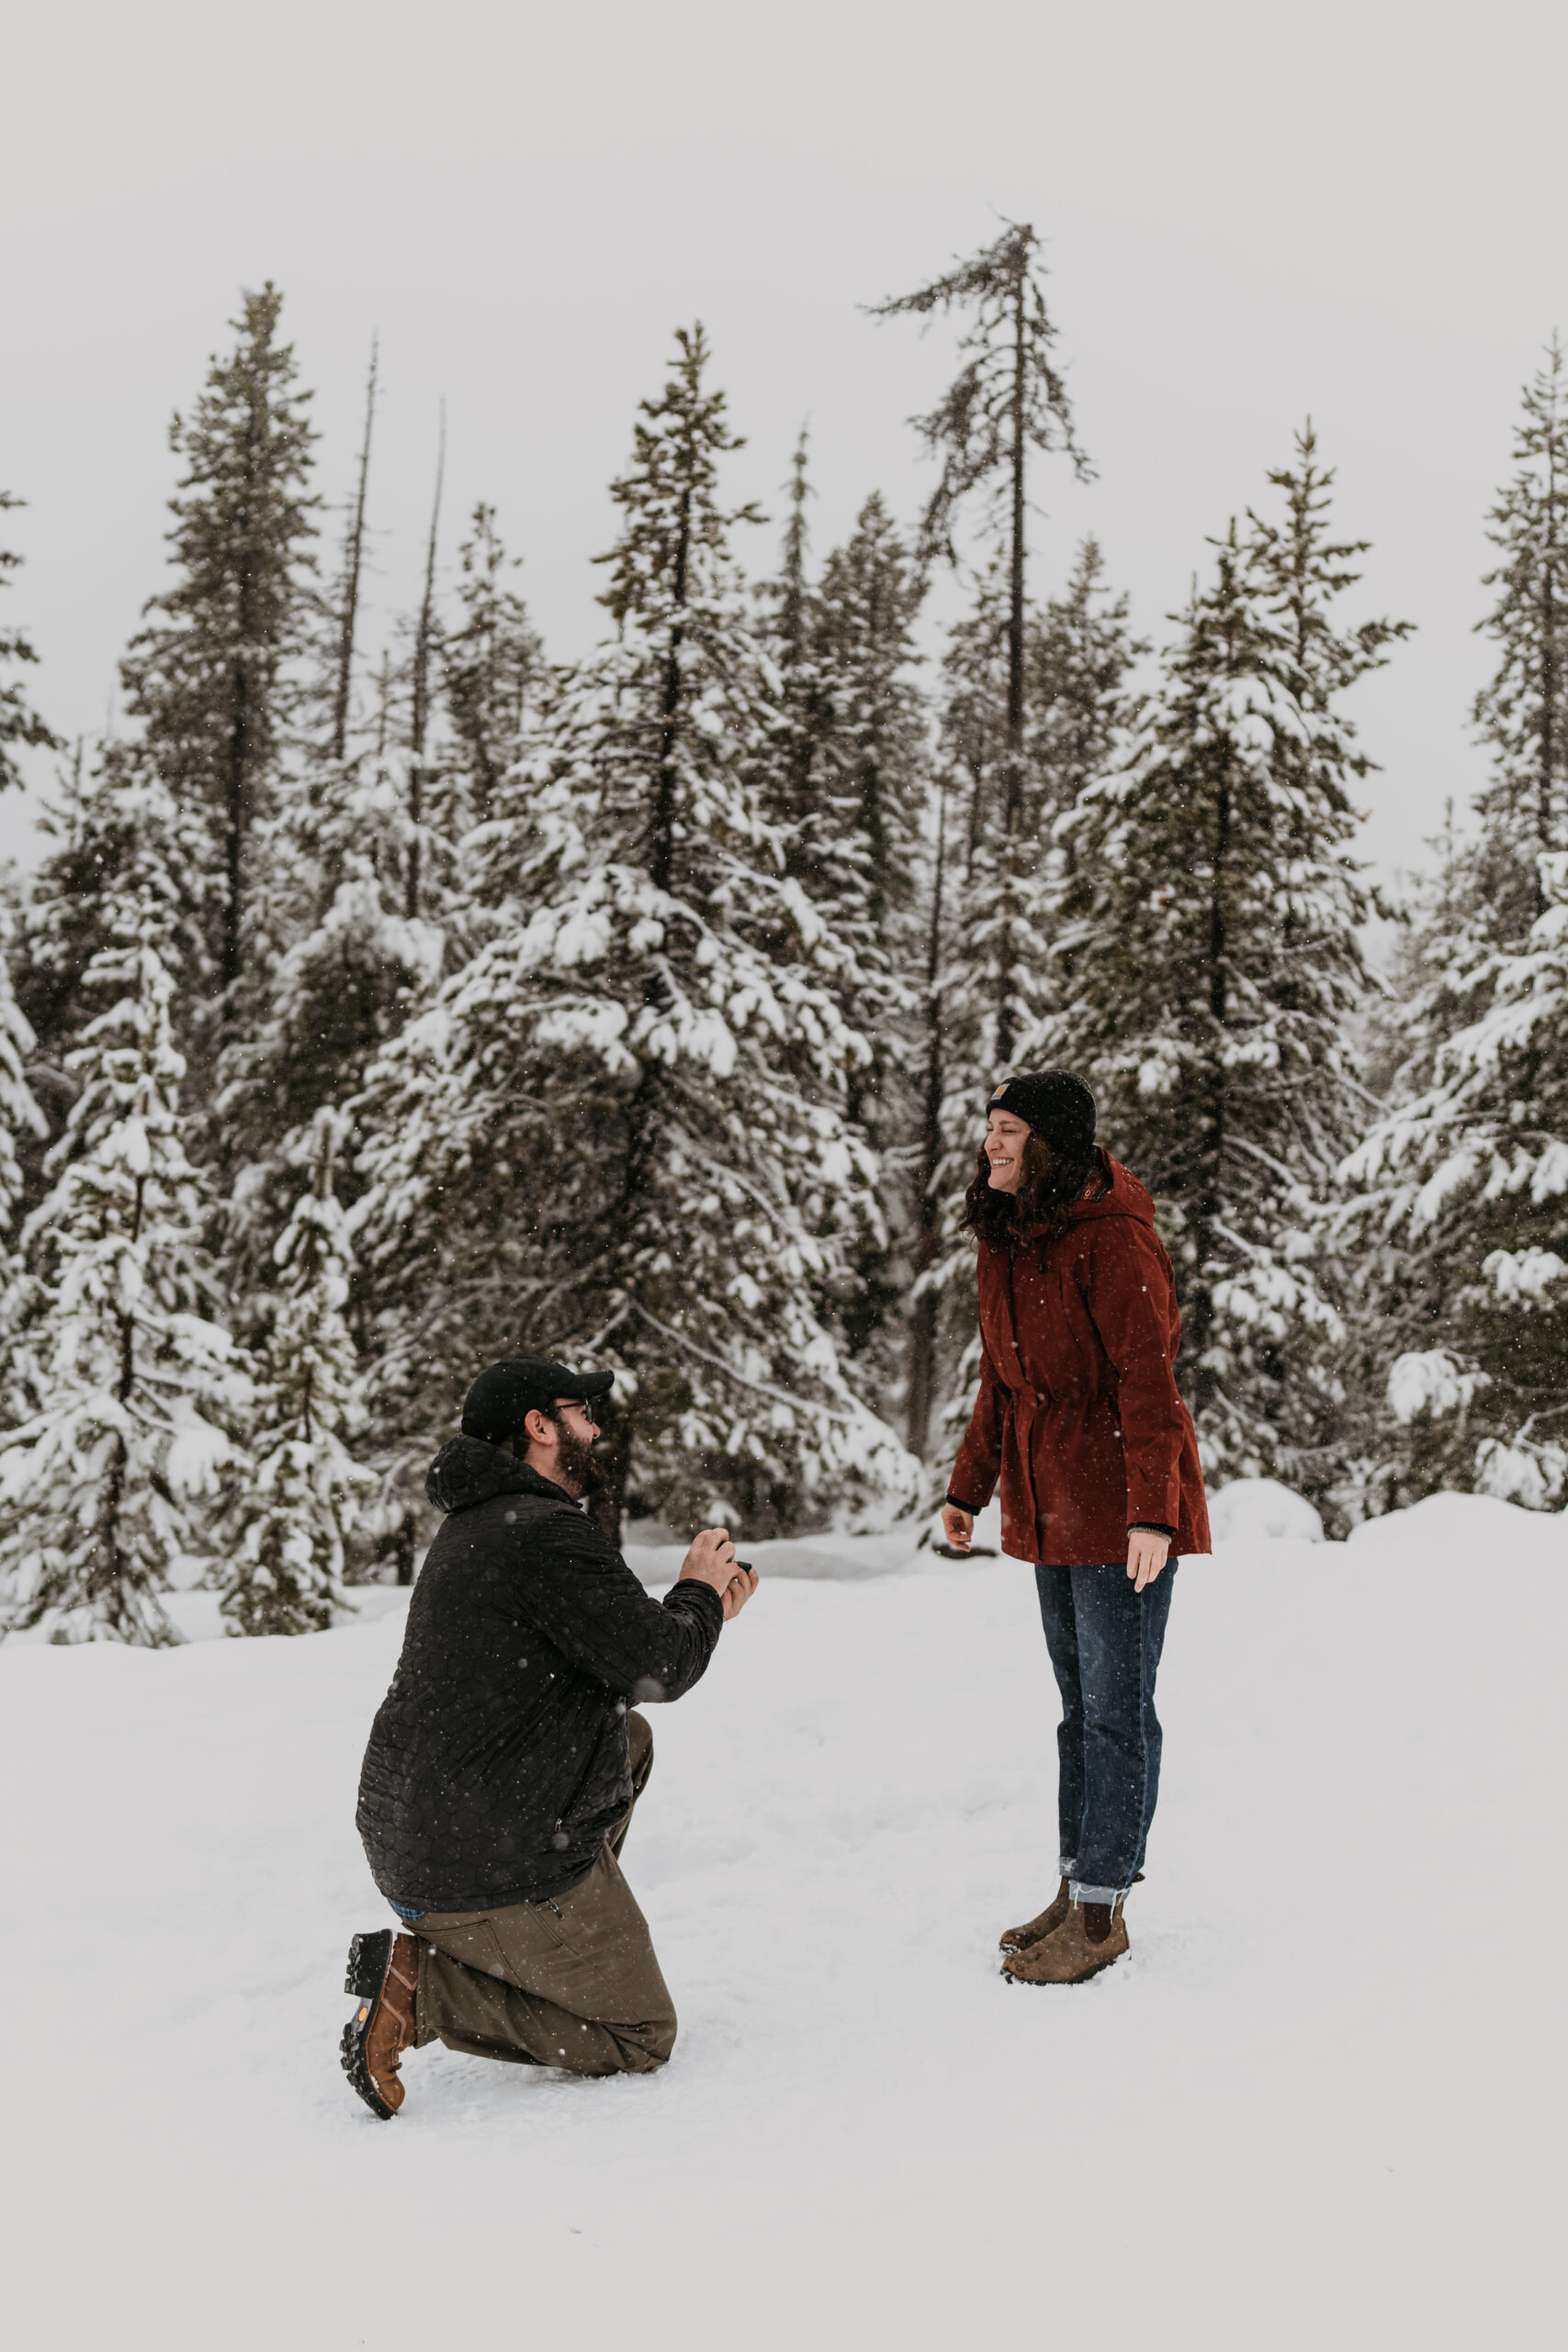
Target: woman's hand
{"points": [[958, 1525], [1146, 1555]]}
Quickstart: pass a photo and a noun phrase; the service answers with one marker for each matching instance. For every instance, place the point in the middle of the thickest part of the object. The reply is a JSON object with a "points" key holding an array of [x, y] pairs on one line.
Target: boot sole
{"points": [[1038, 1984], [368, 1956]]}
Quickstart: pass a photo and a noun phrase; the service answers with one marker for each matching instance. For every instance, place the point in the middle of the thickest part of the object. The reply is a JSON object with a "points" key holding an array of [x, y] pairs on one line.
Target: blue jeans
{"points": [[1105, 1641]]}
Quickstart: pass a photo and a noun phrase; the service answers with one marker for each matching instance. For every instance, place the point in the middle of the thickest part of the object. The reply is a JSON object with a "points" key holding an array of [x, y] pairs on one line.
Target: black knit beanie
{"points": [[1056, 1105]]}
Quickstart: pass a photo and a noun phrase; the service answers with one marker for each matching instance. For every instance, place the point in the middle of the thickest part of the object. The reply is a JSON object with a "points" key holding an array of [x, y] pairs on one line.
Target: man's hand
{"points": [[737, 1592], [712, 1561], [1146, 1555], [958, 1525]]}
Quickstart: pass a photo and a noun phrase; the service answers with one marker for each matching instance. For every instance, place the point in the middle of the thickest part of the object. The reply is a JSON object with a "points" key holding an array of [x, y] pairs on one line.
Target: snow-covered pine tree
{"points": [[600, 1143], [19, 1113], [1454, 1201], [19, 722], [490, 664], [790, 794], [97, 821], [349, 965], [283, 1533], [994, 921], [1210, 933], [103, 1489], [845, 781], [870, 765], [1460, 1209], [212, 676], [348, 969], [1522, 714], [1081, 656], [19, 1116]]}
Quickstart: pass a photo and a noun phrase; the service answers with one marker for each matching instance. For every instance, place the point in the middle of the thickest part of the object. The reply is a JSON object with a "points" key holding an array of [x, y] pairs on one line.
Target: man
{"points": [[505, 1760]]}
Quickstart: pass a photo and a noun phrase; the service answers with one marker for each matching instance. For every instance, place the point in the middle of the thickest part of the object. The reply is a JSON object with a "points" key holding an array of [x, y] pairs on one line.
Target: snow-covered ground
{"points": [[1320, 2105]]}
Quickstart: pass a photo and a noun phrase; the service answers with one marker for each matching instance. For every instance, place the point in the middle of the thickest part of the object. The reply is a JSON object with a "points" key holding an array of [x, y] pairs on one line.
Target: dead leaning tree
{"points": [[1006, 400]]}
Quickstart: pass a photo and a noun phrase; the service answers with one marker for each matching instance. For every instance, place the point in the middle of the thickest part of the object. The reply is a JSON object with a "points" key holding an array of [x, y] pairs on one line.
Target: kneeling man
{"points": [[506, 1758]]}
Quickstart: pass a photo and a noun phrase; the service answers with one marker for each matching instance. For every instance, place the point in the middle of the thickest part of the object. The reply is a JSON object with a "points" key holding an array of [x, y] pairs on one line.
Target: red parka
{"points": [[1079, 1409]]}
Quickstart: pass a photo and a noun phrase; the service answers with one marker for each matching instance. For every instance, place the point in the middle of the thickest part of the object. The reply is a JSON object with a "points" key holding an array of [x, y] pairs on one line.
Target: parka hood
{"points": [[468, 1470], [1125, 1198]]}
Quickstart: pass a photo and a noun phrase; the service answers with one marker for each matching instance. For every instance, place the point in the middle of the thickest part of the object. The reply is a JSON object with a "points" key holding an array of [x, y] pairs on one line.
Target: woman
{"points": [[1102, 1487]]}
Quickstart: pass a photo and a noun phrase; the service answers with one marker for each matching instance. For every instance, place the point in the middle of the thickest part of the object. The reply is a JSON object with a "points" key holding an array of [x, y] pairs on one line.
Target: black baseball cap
{"points": [[494, 1407], [1056, 1104]]}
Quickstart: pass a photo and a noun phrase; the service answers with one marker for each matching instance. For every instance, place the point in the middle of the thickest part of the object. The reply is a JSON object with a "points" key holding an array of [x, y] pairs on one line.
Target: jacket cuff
{"points": [[974, 1509], [1150, 1527], [684, 1585]]}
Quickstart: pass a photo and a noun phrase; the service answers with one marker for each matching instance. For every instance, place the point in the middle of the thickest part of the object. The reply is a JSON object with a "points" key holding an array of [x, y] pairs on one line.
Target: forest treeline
{"points": [[376, 1012]]}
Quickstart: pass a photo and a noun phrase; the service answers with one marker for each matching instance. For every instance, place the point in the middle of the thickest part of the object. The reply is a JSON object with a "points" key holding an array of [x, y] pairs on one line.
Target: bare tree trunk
{"points": [[354, 554], [421, 718]]}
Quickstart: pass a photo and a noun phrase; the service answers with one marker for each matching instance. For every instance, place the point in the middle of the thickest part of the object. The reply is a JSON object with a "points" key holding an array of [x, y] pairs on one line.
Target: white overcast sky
{"points": [[1254, 210]]}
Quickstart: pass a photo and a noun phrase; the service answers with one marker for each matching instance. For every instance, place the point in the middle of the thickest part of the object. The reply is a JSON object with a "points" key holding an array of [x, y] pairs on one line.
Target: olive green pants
{"points": [[570, 1982]]}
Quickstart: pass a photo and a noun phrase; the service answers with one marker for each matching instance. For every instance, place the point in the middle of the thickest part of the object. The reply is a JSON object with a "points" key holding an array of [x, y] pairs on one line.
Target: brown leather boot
{"points": [[383, 1972], [1090, 1936], [1034, 1931]]}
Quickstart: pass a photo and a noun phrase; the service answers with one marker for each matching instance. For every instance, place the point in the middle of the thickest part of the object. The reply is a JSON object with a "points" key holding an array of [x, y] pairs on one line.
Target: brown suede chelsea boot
{"points": [[383, 1974], [1034, 1931], [1090, 1936]]}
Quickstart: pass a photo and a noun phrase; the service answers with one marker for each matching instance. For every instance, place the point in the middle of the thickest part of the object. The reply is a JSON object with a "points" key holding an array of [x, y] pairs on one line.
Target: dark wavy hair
{"points": [[1038, 1210]]}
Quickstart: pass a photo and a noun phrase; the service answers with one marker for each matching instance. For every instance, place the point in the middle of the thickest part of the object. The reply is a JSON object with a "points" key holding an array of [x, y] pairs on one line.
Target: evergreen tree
{"points": [[20, 1119], [870, 772], [98, 821], [598, 1143], [1460, 1209], [1080, 661], [995, 907], [1523, 713], [19, 1113], [20, 723], [923, 1377], [1452, 1209], [870, 754], [284, 1530], [1211, 943], [491, 663], [1008, 399], [212, 676], [792, 798], [101, 1490]]}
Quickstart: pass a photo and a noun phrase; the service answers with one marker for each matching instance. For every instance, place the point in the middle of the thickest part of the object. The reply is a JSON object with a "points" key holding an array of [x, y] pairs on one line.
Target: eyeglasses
{"points": [[583, 1406]]}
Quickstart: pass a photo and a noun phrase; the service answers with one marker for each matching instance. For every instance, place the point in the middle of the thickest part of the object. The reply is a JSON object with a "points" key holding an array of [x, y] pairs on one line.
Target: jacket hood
{"points": [[1125, 1198], [468, 1470]]}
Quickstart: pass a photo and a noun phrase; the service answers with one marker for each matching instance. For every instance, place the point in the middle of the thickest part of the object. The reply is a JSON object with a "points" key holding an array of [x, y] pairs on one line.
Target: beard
{"points": [[577, 1467]]}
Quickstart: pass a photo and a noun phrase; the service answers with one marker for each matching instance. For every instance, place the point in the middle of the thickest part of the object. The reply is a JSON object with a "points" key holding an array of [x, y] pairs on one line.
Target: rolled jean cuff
{"points": [[1078, 1893]]}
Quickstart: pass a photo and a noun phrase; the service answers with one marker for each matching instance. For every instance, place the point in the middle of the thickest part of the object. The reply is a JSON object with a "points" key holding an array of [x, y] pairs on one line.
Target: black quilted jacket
{"points": [[498, 1760]]}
